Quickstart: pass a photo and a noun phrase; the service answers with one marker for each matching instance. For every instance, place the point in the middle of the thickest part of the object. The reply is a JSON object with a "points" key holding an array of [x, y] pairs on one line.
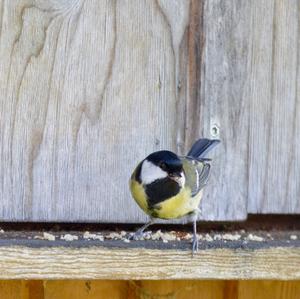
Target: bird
{"points": [[168, 186]]}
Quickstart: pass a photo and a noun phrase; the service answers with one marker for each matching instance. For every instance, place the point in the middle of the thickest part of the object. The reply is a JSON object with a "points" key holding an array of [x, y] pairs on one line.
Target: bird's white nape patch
{"points": [[151, 172]]}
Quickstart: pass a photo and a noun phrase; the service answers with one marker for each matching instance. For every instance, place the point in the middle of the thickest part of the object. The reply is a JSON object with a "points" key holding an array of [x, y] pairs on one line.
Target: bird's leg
{"points": [[195, 238], [199, 212], [139, 233], [194, 217]]}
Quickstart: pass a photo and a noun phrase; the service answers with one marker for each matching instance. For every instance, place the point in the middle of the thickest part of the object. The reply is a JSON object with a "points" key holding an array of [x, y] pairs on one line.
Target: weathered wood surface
{"points": [[250, 99], [274, 119], [223, 109], [88, 88], [20, 262]]}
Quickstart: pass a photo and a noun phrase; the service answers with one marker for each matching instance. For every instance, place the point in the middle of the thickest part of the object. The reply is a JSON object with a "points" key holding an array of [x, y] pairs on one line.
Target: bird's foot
{"points": [[138, 235], [195, 244], [140, 232]]}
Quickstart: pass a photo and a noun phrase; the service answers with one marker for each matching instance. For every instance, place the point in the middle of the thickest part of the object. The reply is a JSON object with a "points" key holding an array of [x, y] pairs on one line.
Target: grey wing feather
{"points": [[197, 173], [203, 175]]}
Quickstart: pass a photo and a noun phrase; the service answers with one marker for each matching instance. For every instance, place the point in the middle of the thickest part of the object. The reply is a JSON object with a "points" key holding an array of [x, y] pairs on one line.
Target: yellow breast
{"points": [[174, 207], [139, 195], [179, 205]]}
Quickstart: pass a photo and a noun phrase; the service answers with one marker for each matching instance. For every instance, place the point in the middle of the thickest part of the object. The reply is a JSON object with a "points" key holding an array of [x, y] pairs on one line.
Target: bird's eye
{"points": [[163, 165]]}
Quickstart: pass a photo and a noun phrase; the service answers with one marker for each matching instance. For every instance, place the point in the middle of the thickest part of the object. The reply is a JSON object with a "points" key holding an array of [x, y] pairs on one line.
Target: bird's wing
{"points": [[196, 174]]}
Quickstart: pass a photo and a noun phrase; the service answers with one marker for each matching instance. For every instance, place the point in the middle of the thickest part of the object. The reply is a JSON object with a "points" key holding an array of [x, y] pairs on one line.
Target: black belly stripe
{"points": [[161, 190]]}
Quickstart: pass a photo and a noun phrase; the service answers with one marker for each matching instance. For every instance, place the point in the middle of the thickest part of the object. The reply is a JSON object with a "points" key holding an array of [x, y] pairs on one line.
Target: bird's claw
{"points": [[139, 234], [136, 236]]}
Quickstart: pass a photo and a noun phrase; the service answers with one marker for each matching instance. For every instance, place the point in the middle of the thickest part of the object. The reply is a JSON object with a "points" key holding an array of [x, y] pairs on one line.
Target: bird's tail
{"points": [[201, 147]]}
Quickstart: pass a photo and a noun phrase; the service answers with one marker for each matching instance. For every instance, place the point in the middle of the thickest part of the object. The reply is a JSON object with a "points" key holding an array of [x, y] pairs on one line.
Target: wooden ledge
{"points": [[28, 257], [19, 262]]}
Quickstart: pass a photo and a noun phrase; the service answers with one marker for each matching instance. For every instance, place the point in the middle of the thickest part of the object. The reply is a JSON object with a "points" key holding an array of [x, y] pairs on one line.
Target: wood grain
{"points": [[269, 289], [22, 289], [224, 111], [11, 290], [274, 156], [179, 289], [88, 88], [94, 289], [249, 98], [132, 263], [232, 289], [34, 289]]}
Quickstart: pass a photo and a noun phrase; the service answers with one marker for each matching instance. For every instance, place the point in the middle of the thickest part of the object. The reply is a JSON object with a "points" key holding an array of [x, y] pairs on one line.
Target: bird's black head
{"points": [[162, 175], [166, 161]]}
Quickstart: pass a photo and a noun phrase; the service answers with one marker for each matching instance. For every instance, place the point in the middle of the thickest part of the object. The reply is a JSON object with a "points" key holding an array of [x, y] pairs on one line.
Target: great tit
{"points": [[168, 186]]}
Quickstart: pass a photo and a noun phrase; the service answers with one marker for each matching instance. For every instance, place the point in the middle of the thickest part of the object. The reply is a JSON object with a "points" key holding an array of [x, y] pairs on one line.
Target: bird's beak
{"points": [[175, 174], [177, 177]]}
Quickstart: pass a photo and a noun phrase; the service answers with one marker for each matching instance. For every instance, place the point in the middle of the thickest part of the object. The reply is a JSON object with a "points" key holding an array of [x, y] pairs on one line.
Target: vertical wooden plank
{"points": [[274, 156], [249, 98], [34, 289], [223, 110], [269, 289], [196, 41], [88, 88], [21, 289], [180, 289], [231, 289], [220, 289], [11, 289], [260, 81], [95, 289]]}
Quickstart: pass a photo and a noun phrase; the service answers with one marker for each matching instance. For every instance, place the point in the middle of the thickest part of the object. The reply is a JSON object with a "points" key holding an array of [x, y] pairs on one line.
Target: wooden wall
{"points": [[88, 88], [149, 289], [250, 91]]}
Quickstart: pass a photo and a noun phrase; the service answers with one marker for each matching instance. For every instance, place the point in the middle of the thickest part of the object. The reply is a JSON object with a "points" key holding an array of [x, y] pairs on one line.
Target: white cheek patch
{"points": [[151, 173]]}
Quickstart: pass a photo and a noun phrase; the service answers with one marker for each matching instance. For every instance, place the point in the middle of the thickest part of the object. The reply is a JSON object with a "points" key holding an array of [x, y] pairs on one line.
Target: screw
{"points": [[215, 131]]}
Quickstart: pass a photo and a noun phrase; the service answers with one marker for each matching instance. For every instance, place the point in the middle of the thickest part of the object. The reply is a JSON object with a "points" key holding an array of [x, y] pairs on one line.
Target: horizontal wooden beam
{"points": [[239, 254], [20, 262]]}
